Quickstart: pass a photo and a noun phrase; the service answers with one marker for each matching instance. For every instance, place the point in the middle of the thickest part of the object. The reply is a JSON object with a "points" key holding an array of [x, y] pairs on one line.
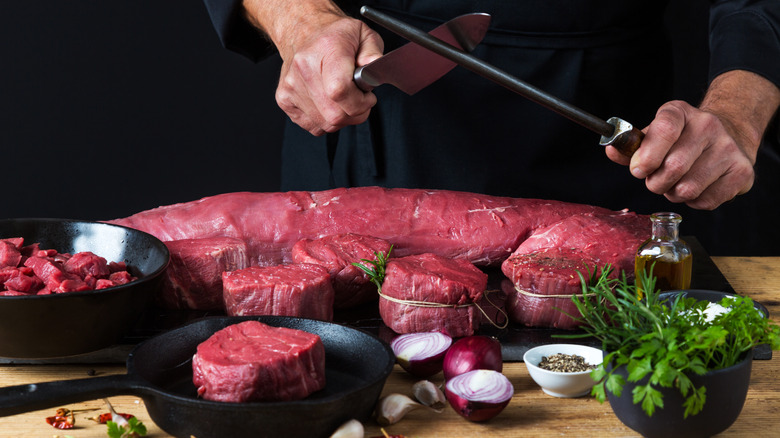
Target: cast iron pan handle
{"points": [[32, 397]]}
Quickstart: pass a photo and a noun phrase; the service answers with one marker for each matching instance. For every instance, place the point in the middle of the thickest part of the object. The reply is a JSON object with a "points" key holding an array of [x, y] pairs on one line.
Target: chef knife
{"points": [[615, 131], [411, 67]]}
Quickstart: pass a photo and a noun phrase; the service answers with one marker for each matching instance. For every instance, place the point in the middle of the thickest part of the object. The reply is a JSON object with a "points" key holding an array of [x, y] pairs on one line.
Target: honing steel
{"points": [[615, 131]]}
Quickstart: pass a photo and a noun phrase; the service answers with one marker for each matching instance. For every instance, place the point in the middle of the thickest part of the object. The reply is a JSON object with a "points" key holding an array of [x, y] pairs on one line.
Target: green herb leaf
{"points": [[663, 343], [135, 428], [376, 273]]}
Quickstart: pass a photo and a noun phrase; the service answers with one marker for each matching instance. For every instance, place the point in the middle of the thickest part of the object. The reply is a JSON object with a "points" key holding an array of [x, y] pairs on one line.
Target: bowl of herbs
{"points": [[672, 367]]}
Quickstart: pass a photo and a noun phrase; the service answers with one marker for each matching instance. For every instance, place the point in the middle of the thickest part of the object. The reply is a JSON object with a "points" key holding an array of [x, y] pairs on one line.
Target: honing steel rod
{"points": [[615, 131]]}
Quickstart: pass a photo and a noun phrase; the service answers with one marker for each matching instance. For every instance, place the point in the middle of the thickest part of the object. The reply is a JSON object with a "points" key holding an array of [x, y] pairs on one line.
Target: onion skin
{"points": [[421, 354], [473, 353], [479, 395]]}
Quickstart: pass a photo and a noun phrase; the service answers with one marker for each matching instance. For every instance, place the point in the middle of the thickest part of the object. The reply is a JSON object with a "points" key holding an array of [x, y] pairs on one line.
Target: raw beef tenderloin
{"points": [[545, 268], [301, 289], [252, 361], [337, 253], [193, 279], [448, 287]]}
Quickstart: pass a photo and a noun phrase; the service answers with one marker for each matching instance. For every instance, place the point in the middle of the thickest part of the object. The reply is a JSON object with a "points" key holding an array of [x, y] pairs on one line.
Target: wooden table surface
{"points": [[531, 413]]}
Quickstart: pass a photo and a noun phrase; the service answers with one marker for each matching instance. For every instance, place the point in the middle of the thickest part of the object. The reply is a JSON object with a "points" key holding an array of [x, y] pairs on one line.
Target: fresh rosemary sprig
{"points": [[376, 274]]}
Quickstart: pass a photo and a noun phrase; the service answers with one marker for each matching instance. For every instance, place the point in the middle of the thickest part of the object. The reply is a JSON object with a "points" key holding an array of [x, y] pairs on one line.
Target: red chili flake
{"points": [[63, 419], [105, 418]]}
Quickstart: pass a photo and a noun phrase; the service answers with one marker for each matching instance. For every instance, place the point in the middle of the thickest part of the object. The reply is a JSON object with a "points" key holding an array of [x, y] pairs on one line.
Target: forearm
{"points": [[281, 20], [745, 102]]}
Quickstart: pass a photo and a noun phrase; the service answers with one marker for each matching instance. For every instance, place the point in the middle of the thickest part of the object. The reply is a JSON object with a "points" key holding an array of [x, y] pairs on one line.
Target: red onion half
{"points": [[473, 353], [421, 354], [479, 395]]}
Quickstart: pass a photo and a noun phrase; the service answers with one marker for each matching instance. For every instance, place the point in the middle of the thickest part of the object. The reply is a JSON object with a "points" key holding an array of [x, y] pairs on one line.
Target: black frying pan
{"points": [[160, 371], [72, 323]]}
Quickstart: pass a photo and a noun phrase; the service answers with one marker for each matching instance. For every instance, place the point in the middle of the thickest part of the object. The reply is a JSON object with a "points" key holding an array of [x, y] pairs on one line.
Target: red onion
{"points": [[473, 353], [479, 395], [421, 354]]}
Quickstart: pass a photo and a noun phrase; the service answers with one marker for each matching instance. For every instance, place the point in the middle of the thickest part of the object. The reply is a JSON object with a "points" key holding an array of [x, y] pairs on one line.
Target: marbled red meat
{"points": [[252, 361], [193, 279], [300, 289], [482, 229], [428, 292], [337, 253]]}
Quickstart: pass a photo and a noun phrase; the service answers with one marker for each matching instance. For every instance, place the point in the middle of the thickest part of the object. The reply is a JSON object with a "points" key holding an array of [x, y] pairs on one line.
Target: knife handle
{"points": [[626, 138]]}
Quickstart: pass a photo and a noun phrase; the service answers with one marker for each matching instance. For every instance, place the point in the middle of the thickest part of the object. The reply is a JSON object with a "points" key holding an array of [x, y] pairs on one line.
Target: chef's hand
{"points": [[705, 156], [320, 48]]}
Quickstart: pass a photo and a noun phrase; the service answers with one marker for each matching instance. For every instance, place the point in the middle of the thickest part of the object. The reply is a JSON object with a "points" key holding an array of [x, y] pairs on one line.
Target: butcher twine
{"points": [[415, 303], [529, 294]]}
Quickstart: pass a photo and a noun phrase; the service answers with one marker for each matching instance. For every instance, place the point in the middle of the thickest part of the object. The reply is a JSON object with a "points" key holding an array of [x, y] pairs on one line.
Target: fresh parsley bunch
{"points": [[665, 342]]}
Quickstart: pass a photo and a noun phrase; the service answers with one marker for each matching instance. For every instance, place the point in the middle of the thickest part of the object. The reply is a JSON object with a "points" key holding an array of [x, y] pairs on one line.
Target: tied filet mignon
{"points": [[252, 361], [428, 292]]}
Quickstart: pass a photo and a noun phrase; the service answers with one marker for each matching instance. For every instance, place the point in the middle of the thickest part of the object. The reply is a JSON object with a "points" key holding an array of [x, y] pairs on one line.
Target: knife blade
{"points": [[614, 131], [411, 67]]}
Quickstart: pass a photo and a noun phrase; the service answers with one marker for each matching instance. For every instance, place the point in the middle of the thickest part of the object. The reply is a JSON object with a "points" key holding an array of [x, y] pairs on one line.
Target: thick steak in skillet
{"points": [[252, 361], [427, 292], [337, 253], [299, 289]]}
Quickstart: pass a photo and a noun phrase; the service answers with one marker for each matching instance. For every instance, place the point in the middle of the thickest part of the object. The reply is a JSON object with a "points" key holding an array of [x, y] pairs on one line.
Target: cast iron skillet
{"points": [[160, 371], [67, 324]]}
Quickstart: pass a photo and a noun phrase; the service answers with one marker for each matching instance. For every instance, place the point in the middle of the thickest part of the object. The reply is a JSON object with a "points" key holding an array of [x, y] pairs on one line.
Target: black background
{"points": [[108, 108]]}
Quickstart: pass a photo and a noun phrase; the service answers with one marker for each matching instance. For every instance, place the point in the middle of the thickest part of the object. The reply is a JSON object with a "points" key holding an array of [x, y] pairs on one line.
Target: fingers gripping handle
{"points": [[625, 138]]}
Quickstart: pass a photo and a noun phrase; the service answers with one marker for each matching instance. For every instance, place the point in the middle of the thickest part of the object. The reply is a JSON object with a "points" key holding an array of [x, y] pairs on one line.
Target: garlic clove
{"points": [[393, 407], [429, 394], [350, 429]]}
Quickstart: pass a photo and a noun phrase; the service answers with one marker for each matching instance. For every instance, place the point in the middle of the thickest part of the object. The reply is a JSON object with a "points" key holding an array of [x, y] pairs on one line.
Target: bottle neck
{"points": [[666, 226]]}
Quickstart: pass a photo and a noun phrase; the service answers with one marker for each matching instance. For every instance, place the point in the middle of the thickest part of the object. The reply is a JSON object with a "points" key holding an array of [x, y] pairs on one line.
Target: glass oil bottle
{"points": [[669, 257]]}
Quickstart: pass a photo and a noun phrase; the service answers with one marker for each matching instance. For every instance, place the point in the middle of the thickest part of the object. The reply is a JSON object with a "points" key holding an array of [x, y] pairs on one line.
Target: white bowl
{"points": [[560, 384]]}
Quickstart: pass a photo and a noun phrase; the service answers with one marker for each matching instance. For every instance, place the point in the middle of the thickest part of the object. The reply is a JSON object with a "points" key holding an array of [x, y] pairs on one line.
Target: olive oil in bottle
{"points": [[668, 256]]}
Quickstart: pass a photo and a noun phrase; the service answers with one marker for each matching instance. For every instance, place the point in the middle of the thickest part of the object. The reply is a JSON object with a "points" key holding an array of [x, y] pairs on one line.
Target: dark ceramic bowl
{"points": [[72, 323], [726, 392]]}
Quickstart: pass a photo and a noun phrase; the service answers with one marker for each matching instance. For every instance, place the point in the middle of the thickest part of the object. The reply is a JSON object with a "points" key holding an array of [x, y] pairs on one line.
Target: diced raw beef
{"points": [[193, 279], [337, 253], [23, 283], [252, 361], [447, 287], [86, 263], [549, 261], [9, 253], [301, 289]]}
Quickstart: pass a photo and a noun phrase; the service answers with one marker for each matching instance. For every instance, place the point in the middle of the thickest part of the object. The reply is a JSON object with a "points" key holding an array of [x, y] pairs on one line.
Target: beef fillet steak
{"points": [[337, 253], [252, 361], [428, 292], [299, 289]]}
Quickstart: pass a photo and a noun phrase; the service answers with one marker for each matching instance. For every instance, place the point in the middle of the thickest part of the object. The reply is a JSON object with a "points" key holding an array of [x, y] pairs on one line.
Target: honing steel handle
{"points": [[626, 138]]}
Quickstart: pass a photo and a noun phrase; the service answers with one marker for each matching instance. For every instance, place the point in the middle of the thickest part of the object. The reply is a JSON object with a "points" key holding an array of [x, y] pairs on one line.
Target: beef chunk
{"points": [[193, 279], [252, 361], [451, 286], [299, 289], [337, 253]]}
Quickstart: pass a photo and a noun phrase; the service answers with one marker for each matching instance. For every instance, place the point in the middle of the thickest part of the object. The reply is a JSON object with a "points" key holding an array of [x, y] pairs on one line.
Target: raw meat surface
{"points": [[435, 280], [30, 270], [301, 289], [337, 253], [252, 361], [193, 279], [549, 262]]}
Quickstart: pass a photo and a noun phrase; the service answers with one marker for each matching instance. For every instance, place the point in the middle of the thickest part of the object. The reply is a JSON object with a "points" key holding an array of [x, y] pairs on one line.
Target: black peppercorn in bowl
{"points": [[51, 325], [567, 373]]}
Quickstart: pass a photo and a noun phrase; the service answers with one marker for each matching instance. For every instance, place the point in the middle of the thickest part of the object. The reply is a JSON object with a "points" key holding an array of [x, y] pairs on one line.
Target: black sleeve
{"points": [[235, 32], [745, 35]]}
